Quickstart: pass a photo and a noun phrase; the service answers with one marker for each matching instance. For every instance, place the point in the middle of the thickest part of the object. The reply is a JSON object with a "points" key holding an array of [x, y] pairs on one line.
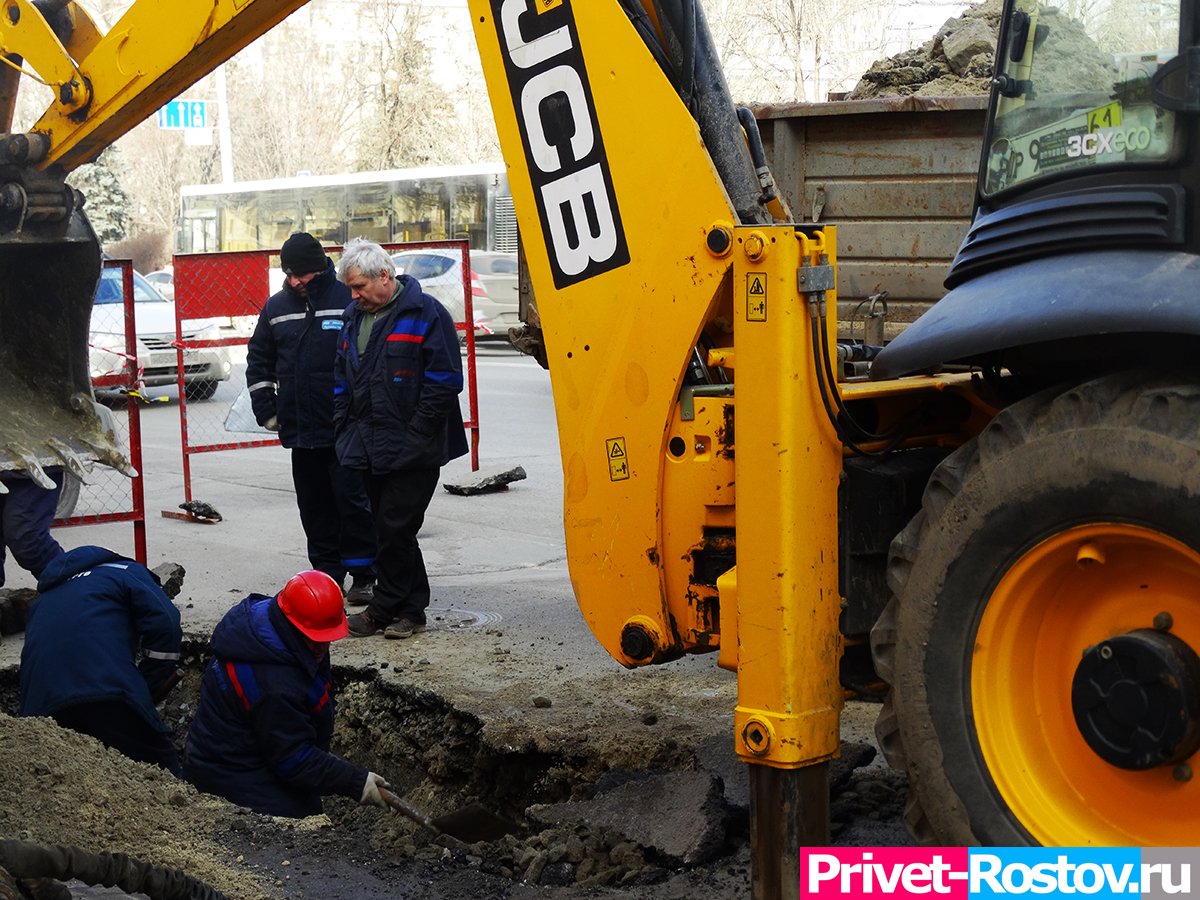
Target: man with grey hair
{"points": [[397, 378]]}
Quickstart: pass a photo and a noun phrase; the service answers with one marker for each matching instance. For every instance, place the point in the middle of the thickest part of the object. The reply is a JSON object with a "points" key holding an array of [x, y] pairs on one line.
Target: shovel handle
{"points": [[405, 808], [402, 806]]}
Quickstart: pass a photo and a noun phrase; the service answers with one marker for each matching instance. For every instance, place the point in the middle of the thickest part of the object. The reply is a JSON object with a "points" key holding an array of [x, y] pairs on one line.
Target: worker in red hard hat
{"points": [[261, 733]]}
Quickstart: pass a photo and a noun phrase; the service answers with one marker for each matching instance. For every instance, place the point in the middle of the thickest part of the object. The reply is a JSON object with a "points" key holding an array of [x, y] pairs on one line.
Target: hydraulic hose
{"points": [[840, 417], [636, 13], [25, 860], [701, 84], [758, 155]]}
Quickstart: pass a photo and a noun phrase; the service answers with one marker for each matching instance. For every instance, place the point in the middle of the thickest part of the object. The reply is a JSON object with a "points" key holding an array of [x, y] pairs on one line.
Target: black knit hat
{"points": [[302, 253]]}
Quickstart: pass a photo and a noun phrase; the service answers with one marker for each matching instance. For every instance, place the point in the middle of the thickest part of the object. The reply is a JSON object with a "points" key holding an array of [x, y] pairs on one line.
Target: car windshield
{"points": [[109, 289], [423, 265], [1075, 90]]}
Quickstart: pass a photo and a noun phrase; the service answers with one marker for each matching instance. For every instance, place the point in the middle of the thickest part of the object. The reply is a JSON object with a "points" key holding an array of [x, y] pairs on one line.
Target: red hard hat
{"points": [[312, 601]]}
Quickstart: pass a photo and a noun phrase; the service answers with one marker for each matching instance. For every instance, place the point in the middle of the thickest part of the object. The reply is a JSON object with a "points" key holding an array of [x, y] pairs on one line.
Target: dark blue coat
{"points": [[95, 614], [289, 361], [261, 733], [396, 408]]}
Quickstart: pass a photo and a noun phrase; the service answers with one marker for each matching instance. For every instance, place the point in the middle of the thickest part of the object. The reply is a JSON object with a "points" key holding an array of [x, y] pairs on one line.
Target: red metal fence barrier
{"points": [[218, 297], [106, 495]]}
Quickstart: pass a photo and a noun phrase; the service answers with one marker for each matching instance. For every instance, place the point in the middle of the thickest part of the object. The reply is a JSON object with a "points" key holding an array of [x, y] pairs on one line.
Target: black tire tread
{"points": [[1160, 403]]}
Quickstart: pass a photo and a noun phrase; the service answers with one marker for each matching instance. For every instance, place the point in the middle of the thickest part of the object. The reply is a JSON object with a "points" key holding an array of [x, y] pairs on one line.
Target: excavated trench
{"points": [[579, 823], [438, 758]]}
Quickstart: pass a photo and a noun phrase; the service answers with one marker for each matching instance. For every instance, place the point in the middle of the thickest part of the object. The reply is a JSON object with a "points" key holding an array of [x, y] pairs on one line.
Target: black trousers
{"points": [[400, 500], [118, 725], [335, 513]]}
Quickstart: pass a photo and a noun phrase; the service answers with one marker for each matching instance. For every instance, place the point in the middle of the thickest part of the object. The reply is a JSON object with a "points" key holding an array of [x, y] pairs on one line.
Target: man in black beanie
{"points": [[289, 371]]}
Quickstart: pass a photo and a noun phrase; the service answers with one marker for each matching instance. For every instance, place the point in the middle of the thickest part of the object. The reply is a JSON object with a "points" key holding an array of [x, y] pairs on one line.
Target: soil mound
{"points": [[956, 61]]}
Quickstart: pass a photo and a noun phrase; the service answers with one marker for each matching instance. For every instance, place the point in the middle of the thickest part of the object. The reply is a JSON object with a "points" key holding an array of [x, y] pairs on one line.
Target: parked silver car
{"points": [[493, 285], [498, 272], [163, 281], [203, 369]]}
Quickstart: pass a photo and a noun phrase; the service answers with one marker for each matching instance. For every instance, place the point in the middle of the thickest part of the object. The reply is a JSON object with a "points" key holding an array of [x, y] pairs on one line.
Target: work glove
{"points": [[371, 795], [272, 424]]}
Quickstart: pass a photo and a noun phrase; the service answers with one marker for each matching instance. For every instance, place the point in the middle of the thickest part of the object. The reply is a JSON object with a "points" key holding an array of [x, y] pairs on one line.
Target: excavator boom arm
{"points": [[105, 84]]}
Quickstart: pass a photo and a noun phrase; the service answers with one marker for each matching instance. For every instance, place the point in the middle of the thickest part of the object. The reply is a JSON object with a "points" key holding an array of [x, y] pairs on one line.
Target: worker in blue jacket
{"points": [[396, 418], [102, 646], [260, 737], [289, 373]]}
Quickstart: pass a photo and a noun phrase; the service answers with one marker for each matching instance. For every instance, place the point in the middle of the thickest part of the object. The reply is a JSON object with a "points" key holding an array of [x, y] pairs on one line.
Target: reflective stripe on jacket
{"points": [[261, 733], [101, 629], [289, 361]]}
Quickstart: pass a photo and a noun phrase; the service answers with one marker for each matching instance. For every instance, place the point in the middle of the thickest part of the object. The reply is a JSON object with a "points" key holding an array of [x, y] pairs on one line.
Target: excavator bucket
{"points": [[48, 415]]}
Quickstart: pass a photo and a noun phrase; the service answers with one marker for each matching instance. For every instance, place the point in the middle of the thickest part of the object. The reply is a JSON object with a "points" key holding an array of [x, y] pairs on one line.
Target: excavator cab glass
{"points": [[1081, 86]]}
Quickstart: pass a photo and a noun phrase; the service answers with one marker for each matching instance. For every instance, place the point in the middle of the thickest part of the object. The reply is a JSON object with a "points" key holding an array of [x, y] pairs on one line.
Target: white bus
{"points": [[399, 205]]}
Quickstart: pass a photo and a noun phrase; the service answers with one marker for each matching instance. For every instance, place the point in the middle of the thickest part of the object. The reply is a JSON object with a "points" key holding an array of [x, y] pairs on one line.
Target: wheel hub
{"points": [[1136, 699]]}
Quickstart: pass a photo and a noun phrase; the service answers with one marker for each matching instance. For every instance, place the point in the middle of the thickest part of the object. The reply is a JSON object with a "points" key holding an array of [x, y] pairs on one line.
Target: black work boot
{"points": [[362, 591]]}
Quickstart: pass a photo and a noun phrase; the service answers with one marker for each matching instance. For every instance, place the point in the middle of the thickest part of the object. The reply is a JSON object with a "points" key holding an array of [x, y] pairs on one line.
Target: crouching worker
{"points": [[101, 648], [260, 736]]}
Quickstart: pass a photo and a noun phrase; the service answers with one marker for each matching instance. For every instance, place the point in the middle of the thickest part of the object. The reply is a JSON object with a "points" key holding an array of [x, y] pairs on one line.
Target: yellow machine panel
{"points": [[623, 215]]}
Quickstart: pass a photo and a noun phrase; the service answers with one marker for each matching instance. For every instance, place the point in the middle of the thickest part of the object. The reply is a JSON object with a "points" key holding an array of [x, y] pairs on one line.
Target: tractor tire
{"points": [[1071, 521]]}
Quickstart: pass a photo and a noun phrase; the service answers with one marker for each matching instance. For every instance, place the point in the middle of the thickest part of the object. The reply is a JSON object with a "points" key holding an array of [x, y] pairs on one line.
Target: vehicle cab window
{"points": [[1049, 117], [424, 265]]}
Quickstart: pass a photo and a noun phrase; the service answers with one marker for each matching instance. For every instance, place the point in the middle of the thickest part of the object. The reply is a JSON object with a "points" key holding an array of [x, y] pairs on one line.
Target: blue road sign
{"points": [[184, 114]]}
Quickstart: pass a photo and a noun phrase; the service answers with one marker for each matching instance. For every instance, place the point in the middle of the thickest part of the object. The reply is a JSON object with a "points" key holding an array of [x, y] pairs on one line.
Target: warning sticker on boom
{"points": [[756, 297], [618, 462]]}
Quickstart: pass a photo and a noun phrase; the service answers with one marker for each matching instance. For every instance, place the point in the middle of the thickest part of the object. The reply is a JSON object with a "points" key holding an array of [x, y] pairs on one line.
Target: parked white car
{"points": [[154, 316], [498, 272], [163, 281]]}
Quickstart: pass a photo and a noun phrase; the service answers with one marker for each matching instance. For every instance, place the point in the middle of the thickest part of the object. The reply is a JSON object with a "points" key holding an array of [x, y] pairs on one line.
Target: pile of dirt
{"points": [[956, 61], [64, 788]]}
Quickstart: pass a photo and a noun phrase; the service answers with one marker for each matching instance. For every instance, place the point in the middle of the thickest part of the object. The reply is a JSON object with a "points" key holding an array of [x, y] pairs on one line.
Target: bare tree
{"points": [[289, 111], [795, 50], [405, 113], [164, 164]]}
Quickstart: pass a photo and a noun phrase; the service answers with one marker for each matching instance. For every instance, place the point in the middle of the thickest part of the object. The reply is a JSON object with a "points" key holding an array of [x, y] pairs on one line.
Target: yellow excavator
{"points": [[998, 524], [100, 85]]}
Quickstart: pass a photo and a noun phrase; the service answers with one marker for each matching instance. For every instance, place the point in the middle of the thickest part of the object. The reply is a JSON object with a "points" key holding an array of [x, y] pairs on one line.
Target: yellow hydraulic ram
{"points": [[656, 307], [780, 604]]}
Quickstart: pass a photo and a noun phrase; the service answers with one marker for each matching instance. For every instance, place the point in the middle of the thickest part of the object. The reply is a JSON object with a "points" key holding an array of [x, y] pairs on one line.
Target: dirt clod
{"points": [[956, 61]]}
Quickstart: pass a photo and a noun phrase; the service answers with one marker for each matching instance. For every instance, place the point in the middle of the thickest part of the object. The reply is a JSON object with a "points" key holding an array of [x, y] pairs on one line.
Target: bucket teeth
{"points": [[70, 459], [30, 465], [108, 456]]}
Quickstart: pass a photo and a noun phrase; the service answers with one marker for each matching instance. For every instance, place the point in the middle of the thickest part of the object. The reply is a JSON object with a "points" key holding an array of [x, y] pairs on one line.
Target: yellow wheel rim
{"points": [[1071, 591]]}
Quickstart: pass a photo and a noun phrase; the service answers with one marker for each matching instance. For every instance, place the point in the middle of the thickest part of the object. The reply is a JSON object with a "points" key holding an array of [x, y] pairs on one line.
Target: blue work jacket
{"points": [[261, 733], [101, 629], [289, 361], [396, 406]]}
